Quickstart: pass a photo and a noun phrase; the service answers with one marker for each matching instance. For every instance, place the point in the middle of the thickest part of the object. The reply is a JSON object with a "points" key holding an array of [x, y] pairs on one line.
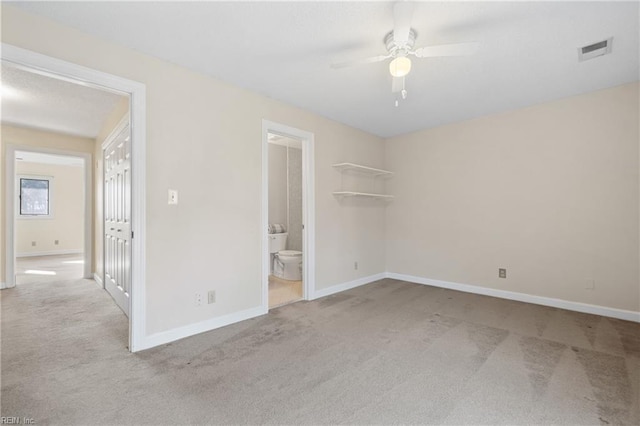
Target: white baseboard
{"points": [[98, 280], [348, 285], [211, 324], [172, 335], [523, 297], [49, 253], [2, 286]]}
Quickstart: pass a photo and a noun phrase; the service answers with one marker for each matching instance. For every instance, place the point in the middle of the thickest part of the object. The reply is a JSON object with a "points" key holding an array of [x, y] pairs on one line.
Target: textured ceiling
{"points": [[37, 101], [528, 52]]}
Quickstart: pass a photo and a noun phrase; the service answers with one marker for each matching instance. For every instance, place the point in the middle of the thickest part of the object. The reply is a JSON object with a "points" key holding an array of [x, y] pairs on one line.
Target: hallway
{"points": [[41, 269]]}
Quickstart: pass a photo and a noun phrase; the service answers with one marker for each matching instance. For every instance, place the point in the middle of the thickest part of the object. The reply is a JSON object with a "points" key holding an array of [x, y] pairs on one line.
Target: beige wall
{"points": [[294, 200], [549, 192], [18, 136], [67, 208], [117, 114], [204, 139]]}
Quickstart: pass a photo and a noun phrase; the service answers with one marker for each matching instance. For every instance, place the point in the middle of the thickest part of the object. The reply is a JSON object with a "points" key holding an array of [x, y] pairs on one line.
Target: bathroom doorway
{"points": [[286, 198], [285, 220]]}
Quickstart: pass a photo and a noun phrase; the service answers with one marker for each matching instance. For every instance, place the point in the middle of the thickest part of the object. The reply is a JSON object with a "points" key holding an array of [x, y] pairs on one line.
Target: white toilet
{"points": [[285, 264]]}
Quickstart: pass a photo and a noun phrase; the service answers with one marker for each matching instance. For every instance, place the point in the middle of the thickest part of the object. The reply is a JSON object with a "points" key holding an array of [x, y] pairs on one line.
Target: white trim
{"points": [[523, 297], [11, 213], [50, 253], [174, 334], [309, 215], [348, 285], [98, 280], [88, 214], [308, 207], [2, 285], [122, 124], [10, 186], [46, 65], [264, 220]]}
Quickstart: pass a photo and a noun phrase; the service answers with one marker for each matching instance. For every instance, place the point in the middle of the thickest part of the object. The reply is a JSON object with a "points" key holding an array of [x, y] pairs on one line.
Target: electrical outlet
{"points": [[502, 273], [355, 265], [56, 242], [33, 243], [198, 299], [211, 296]]}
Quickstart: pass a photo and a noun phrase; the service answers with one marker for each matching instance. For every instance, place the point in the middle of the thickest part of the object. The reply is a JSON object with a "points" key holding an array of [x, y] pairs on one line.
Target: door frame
{"points": [[11, 196], [308, 208], [57, 68]]}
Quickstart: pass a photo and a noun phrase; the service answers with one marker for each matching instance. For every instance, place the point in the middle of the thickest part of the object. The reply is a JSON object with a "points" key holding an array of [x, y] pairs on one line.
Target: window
{"points": [[35, 196]]}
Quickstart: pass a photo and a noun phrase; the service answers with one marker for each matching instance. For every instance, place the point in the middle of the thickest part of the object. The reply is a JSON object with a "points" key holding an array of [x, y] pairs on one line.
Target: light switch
{"points": [[173, 196]]}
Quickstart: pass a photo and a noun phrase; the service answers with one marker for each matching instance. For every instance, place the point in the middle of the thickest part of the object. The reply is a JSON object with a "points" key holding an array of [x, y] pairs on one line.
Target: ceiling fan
{"points": [[400, 45]]}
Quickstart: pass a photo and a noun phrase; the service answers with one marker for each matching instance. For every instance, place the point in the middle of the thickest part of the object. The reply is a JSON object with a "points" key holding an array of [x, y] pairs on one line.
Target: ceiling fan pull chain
{"points": [[403, 92]]}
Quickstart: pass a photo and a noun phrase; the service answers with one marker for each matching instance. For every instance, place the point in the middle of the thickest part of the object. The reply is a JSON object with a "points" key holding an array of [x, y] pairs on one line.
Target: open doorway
{"points": [[285, 220], [133, 93], [50, 217], [288, 219]]}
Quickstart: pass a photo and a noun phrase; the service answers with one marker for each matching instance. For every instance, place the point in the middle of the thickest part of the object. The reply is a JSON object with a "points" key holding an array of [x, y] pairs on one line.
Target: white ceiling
{"points": [[37, 101], [528, 52]]}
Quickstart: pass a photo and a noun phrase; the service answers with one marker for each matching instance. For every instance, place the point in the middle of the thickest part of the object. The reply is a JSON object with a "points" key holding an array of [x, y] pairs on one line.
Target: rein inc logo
{"points": [[7, 420]]}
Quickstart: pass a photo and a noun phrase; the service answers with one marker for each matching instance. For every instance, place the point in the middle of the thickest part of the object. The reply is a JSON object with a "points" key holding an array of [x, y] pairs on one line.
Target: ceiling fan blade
{"points": [[455, 49], [360, 61], [397, 84], [402, 14]]}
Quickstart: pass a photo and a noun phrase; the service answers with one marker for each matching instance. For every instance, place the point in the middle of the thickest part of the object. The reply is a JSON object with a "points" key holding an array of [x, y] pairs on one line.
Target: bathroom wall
{"points": [[285, 191], [294, 241], [277, 184]]}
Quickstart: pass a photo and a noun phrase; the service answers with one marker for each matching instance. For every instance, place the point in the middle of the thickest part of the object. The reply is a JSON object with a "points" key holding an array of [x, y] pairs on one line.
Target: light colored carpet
{"points": [[64, 267], [386, 353]]}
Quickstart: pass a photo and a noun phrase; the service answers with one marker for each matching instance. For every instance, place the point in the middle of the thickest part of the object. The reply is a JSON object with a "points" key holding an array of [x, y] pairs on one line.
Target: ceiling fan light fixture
{"points": [[400, 66]]}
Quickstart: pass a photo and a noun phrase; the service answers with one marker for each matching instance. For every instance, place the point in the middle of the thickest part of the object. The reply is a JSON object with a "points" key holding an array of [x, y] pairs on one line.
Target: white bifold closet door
{"points": [[117, 218]]}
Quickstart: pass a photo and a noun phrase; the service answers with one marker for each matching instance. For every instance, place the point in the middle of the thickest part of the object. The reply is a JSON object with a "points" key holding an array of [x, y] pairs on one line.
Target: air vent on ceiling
{"points": [[595, 49]]}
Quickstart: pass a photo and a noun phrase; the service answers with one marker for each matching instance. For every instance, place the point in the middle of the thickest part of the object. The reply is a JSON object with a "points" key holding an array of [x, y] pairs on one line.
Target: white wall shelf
{"points": [[366, 172], [362, 169], [362, 194]]}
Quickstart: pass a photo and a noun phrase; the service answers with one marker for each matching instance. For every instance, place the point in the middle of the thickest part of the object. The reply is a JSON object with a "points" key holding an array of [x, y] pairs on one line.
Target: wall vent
{"points": [[595, 49]]}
